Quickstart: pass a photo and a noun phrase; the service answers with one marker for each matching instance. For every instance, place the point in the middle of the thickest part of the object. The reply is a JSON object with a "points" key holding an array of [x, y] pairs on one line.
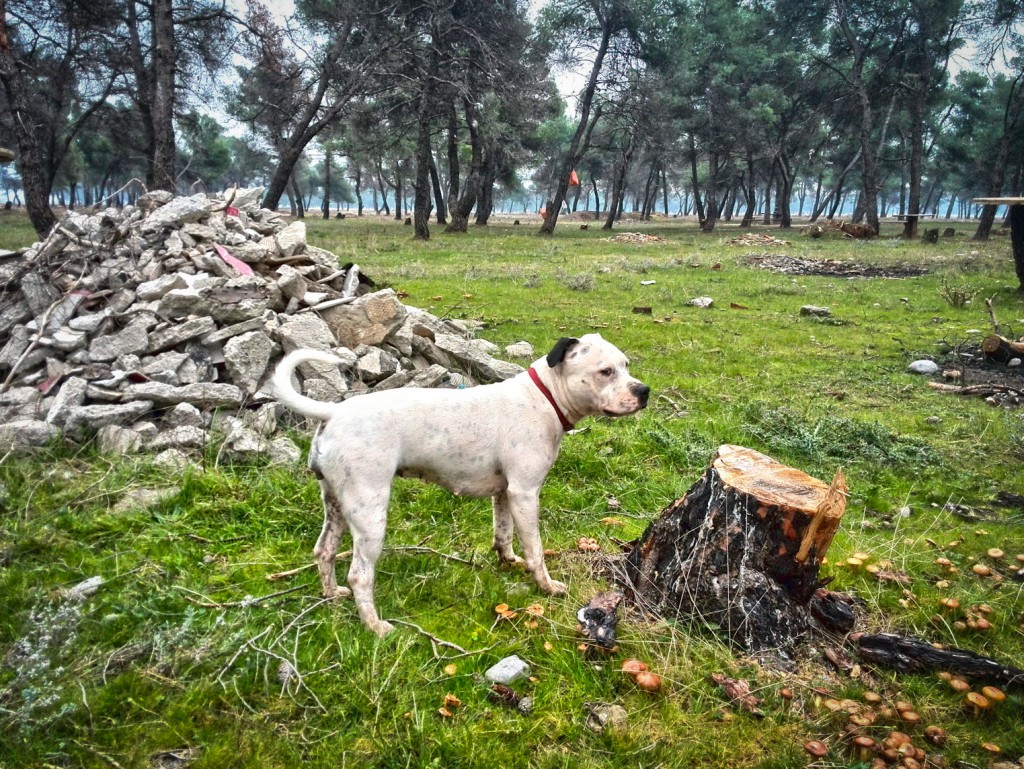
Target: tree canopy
{"points": [[719, 109]]}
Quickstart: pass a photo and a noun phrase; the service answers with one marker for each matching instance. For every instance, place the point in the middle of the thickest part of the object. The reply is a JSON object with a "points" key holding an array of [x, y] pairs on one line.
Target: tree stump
{"points": [[742, 550]]}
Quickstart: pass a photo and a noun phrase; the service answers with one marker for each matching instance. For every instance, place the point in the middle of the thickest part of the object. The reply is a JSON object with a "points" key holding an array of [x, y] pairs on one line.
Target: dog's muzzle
{"points": [[642, 392]]}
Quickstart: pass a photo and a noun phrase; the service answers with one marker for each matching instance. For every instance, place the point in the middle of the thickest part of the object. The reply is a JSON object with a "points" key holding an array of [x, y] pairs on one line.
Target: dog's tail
{"points": [[292, 398]]}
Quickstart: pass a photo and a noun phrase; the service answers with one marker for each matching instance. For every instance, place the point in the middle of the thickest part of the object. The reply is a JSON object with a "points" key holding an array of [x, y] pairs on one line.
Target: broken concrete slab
{"points": [[94, 417], [115, 439], [369, 320], [172, 336], [201, 394], [70, 396], [24, 434], [247, 358]]}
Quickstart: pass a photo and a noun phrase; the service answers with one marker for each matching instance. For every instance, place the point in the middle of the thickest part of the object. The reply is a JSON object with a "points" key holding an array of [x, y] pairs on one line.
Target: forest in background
{"points": [[447, 110]]}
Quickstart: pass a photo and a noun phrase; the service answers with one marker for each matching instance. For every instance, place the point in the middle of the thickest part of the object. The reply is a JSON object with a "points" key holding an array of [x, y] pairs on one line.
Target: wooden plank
{"points": [[999, 201]]}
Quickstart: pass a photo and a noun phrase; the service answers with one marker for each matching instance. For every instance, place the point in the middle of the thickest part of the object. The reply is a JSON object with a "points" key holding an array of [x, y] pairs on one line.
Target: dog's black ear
{"points": [[557, 354]]}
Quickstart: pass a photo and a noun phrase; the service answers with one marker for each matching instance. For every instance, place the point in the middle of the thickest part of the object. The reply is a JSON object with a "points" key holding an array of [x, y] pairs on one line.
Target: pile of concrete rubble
{"points": [[156, 327]]}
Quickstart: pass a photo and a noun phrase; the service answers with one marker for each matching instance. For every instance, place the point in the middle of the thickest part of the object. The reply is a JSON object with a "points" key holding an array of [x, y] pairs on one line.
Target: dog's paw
{"points": [[554, 587], [510, 560], [337, 592], [381, 627]]}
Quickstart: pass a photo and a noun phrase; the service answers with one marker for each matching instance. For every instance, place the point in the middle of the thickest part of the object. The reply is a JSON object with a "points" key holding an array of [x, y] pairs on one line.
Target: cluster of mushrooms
{"points": [[898, 748]]}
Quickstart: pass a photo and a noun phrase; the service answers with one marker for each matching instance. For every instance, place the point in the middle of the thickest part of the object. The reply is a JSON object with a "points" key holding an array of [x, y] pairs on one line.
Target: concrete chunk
{"points": [[182, 332], [26, 434], [246, 358], [201, 394]]}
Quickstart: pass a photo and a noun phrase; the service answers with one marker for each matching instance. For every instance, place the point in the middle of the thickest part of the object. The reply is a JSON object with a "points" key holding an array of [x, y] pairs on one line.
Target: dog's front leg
{"points": [[525, 509], [503, 528]]}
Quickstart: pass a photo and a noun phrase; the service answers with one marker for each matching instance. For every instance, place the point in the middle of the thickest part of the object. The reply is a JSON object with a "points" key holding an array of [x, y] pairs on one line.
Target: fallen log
{"points": [[1000, 349], [912, 655], [742, 550]]}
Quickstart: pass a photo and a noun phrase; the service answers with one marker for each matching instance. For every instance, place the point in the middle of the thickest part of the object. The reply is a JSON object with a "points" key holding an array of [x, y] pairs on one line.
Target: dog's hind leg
{"points": [[367, 518], [503, 529], [326, 549]]}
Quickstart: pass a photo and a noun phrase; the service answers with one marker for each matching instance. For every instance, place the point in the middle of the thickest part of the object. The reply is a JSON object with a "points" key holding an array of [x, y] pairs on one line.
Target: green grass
{"points": [[144, 667]]}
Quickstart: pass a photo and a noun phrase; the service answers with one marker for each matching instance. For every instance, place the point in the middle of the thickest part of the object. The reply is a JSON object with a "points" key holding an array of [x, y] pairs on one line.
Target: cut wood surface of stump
{"points": [[742, 550]]}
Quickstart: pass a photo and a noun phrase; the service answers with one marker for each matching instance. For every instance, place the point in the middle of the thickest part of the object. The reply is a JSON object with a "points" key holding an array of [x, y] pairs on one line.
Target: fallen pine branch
{"points": [[348, 554], [912, 655], [247, 601], [979, 390], [435, 642]]}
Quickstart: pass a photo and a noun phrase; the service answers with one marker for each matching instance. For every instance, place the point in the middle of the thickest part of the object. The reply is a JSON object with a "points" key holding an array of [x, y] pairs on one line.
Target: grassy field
{"points": [[172, 662]]}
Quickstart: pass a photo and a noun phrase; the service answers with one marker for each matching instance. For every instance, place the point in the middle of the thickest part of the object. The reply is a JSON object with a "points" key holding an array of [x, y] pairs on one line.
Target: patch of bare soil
{"points": [[792, 265], [637, 238], [967, 365], [757, 239]]}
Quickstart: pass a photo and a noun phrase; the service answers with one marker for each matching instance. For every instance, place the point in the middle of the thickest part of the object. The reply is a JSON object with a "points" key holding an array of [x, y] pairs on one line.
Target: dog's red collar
{"points": [[566, 424]]}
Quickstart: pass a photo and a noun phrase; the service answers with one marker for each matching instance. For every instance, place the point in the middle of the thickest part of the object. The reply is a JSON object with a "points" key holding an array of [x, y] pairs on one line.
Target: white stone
{"points": [[84, 589], [926, 367], [508, 671], [701, 301], [520, 350]]}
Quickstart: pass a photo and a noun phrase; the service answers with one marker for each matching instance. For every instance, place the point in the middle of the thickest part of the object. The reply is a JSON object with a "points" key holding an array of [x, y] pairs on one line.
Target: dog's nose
{"points": [[642, 393]]}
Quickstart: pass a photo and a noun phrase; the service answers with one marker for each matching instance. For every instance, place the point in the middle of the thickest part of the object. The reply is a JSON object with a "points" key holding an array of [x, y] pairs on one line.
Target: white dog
{"points": [[496, 440]]}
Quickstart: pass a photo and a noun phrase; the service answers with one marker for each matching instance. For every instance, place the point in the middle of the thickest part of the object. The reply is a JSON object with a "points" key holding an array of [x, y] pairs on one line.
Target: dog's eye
{"points": [[607, 371]]}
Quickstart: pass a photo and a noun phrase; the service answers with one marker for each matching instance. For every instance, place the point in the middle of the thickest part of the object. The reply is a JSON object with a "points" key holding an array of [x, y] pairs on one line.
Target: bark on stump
{"points": [[742, 550]]}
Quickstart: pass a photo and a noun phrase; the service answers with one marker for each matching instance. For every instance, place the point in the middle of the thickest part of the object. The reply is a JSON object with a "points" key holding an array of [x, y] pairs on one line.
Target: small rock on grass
{"points": [[507, 671], [140, 499], [926, 367], [610, 718]]}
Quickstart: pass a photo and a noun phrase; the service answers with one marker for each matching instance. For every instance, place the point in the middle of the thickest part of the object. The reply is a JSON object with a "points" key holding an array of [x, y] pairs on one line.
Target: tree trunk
{"points": [[597, 198], [711, 217], [581, 137], [325, 204], [357, 180], [300, 211], [454, 170], [664, 190], [1011, 116], [742, 550], [917, 110], [619, 181], [766, 217], [30, 158], [468, 198], [485, 195], [435, 183], [161, 165], [695, 181], [785, 191], [750, 191]]}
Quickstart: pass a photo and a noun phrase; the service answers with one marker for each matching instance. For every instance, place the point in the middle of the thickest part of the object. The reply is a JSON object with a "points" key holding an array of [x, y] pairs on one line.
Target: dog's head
{"points": [[595, 377]]}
